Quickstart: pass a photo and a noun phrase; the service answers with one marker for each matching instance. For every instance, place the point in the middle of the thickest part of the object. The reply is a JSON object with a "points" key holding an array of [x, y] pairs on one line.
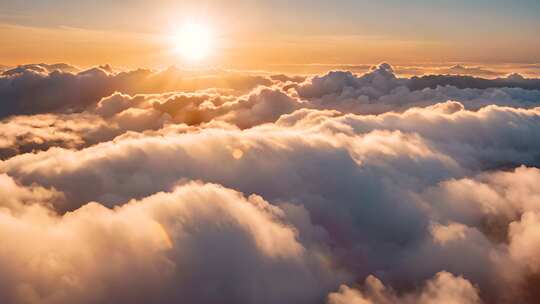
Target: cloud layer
{"points": [[212, 187]]}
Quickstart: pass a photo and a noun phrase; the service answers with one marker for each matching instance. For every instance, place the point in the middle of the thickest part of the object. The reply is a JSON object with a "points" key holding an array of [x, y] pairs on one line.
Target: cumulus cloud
{"points": [[502, 136], [443, 288], [199, 243], [380, 173], [213, 186], [118, 113], [381, 91], [41, 68], [42, 88], [33, 89], [30, 133], [259, 106]]}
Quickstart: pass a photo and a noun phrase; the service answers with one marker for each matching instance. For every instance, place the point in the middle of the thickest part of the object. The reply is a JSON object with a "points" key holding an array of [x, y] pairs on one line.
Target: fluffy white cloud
{"points": [[444, 288], [198, 243], [380, 91], [298, 190], [33, 89], [502, 136]]}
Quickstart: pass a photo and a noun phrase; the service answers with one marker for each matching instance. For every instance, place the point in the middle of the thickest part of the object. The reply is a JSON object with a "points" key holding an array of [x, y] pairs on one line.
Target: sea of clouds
{"points": [[219, 186]]}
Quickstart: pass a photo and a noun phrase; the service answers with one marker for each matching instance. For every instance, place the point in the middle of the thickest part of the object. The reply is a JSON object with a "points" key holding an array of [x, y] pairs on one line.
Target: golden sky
{"points": [[256, 34]]}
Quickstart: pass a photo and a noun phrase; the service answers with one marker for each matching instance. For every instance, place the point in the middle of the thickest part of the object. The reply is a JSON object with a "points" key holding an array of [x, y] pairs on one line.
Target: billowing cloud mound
{"points": [[159, 187], [444, 288], [33, 89], [381, 91], [199, 243]]}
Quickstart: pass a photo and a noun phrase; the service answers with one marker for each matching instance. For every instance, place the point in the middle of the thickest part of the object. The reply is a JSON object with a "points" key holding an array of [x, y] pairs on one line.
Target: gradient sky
{"points": [[259, 33]]}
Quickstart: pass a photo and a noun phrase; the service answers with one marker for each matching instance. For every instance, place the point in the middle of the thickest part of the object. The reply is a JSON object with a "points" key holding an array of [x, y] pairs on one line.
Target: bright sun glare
{"points": [[194, 42]]}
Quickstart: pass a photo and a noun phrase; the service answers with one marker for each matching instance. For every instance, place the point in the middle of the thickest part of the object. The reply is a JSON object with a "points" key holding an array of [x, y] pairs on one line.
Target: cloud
{"points": [[161, 186], [464, 70], [525, 240], [119, 113], [42, 88], [380, 164], [260, 106], [23, 134], [443, 234], [380, 91], [491, 219], [198, 243], [383, 176], [502, 136], [277, 164], [29, 91], [34, 89], [16, 197], [42, 68], [443, 288]]}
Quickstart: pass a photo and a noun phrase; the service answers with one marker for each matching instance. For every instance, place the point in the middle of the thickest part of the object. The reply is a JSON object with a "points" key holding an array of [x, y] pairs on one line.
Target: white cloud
{"points": [[198, 243], [443, 288], [255, 189]]}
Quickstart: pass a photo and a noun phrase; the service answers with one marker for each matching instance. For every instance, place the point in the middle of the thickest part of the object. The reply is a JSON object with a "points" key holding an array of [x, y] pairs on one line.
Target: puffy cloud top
{"points": [[221, 186]]}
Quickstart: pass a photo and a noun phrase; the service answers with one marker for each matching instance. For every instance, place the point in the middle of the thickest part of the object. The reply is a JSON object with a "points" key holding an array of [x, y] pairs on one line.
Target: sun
{"points": [[194, 42]]}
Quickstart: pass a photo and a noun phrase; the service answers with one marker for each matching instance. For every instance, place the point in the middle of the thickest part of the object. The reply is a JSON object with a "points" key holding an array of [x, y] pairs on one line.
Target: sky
{"points": [[269, 152], [255, 34]]}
